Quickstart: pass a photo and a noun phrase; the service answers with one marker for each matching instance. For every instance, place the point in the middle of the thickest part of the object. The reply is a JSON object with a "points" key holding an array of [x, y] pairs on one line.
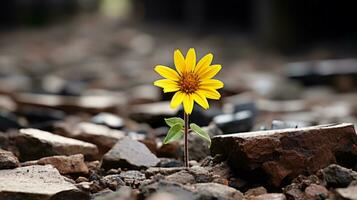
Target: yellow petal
{"points": [[171, 89], [201, 100], [204, 63], [210, 72], [177, 99], [168, 85], [167, 72], [188, 104], [179, 61], [209, 93], [190, 59], [211, 83]]}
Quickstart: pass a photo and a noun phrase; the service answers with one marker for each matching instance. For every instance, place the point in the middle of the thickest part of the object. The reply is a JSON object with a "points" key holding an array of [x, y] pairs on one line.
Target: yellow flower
{"points": [[192, 82]]}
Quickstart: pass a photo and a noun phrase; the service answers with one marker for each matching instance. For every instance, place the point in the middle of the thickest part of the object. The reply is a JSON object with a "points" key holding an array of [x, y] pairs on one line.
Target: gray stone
{"points": [[242, 121], [8, 160], [269, 196], [128, 153], [217, 191], [123, 193], [37, 183], [179, 191], [182, 177], [34, 144], [108, 119], [349, 193], [73, 164], [199, 191], [132, 177], [100, 135], [113, 181], [337, 176]]}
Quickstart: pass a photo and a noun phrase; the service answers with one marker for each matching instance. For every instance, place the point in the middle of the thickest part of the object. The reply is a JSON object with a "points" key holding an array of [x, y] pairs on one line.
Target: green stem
{"points": [[186, 119]]}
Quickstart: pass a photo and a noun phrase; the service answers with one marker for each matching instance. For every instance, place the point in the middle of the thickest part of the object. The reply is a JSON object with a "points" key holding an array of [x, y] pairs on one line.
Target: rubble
{"points": [[8, 160], [73, 164], [35, 144], [130, 154]]}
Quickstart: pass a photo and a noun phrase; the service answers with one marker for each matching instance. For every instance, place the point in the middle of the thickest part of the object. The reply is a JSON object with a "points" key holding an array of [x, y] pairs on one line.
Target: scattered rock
{"points": [[161, 196], [182, 177], [168, 162], [81, 179], [109, 120], [349, 193], [284, 154], [8, 121], [270, 196], [170, 150], [100, 135], [73, 164], [123, 193], [318, 192], [34, 144], [197, 147], [176, 189], [217, 191], [89, 103], [235, 123], [337, 176], [277, 124], [255, 191], [162, 170], [8, 160], [37, 182], [132, 177], [113, 181], [293, 192], [128, 153]]}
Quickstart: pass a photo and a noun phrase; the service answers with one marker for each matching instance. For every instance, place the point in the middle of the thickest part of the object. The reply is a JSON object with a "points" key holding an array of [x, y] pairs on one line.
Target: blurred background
{"points": [[294, 61]]}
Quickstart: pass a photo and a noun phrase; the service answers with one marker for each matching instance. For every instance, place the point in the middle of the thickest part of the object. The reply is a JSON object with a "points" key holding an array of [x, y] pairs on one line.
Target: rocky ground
{"points": [[80, 119]]}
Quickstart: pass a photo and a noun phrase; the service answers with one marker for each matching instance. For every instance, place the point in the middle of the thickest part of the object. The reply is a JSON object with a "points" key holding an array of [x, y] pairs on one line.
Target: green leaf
{"points": [[175, 133], [173, 121], [200, 132]]}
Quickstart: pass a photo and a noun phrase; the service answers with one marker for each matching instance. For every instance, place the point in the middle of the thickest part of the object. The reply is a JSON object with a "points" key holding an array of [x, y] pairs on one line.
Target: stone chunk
{"points": [[34, 144], [128, 153], [8, 160], [349, 193], [100, 135], [217, 191], [37, 183], [286, 153], [269, 196], [337, 176], [65, 164]]}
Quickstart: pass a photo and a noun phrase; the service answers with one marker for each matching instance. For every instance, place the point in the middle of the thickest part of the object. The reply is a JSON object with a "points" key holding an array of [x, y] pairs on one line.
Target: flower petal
{"points": [[188, 104], [211, 84], [167, 72], [204, 63], [210, 72], [209, 93], [179, 61], [177, 99], [167, 85], [201, 100], [190, 59]]}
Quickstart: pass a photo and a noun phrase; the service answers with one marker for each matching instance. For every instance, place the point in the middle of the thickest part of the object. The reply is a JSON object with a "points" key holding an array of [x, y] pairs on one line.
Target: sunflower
{"points": [[191, 82]]}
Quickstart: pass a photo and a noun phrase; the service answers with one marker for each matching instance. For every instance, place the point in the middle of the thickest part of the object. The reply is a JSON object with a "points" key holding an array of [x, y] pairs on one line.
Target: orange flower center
{"points": [[189, 82]]}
